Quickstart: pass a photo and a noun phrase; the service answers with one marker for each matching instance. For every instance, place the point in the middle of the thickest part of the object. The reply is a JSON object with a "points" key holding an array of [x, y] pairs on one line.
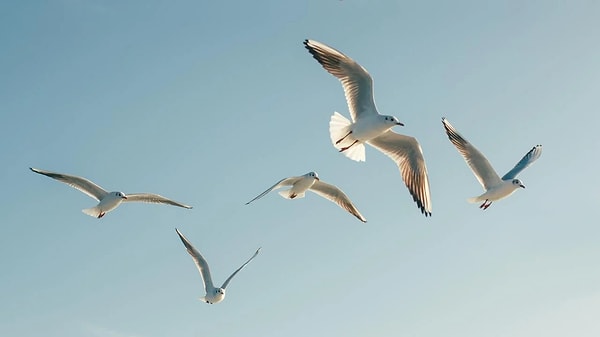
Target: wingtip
{"points": [[306, 43]]}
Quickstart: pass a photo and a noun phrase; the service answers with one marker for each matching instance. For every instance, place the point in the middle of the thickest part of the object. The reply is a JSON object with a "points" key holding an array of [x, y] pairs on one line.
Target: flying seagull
{"points": [[495, 187], [311, 182], [368, 126], [108, 200], [213, 295]]}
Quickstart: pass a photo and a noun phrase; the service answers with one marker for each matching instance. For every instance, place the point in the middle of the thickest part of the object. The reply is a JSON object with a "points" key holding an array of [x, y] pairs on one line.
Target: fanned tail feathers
{"points": [[93, 211], [339, 126]]}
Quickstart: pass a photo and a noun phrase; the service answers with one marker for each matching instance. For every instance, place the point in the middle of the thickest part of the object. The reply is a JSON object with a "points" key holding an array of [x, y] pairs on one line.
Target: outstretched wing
{"points": [[199, 261], [406, 152], [240, 268], [283, 182], [525, 162], [76, 182], [153, 198], [481, 167], [356, 81], [333, 193]]}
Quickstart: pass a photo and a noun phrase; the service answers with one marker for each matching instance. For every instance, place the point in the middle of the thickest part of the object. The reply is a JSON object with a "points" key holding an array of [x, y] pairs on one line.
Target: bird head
{"points": [[392, 120], [313, 175], [518, 183], [119, 195]]}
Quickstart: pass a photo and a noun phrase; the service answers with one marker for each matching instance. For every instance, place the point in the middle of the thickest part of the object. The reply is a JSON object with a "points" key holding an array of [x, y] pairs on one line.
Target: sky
{"points": [[211, 102]]}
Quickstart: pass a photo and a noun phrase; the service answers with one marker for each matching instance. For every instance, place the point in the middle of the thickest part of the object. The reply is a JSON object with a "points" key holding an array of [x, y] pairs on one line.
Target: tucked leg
{"points": [[347, 147], [348, 134]]}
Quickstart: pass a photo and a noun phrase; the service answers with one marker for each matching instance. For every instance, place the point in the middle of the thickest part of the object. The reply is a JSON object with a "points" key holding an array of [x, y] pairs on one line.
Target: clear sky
{"points": [[211, 102]]}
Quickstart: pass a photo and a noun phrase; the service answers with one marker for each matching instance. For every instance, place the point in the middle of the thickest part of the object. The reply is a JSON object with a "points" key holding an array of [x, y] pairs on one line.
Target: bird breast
{"points": [[369, 127], [501, 191], [110, 202], [302, 185]]}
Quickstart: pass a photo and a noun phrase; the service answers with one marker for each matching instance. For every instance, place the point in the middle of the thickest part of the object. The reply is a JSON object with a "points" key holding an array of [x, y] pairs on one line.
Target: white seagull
{"points": [[108, 200], [213, 295], [495, 188], [368, 126], [311, 182]]}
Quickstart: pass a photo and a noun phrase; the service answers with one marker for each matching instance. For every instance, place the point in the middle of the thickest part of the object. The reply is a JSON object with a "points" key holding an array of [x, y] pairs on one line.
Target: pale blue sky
{"points": [[210, 103]]}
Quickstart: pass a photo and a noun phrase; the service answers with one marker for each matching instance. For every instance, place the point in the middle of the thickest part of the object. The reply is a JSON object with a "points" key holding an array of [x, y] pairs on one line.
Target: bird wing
{"points": [[356, 81], [525, 162], [199, 261], [333, 193], [283, 182], [78, 183], [240, 268], [481, 167], [406, 152], [153, 198]]}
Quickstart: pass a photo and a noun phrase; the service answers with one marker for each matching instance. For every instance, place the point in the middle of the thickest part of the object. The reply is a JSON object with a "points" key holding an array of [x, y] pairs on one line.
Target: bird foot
{"points": [[347, 147], [485, 204]]}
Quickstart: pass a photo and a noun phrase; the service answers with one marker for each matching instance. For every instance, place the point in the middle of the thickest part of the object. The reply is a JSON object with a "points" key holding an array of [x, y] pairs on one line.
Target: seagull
{"points": [[368, 126], [108, 200], [495, 188], [213, 295], [311, 181]]}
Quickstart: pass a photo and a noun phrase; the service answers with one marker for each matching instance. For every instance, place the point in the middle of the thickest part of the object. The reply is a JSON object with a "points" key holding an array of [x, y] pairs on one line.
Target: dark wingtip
{"points": [[305, 43]]}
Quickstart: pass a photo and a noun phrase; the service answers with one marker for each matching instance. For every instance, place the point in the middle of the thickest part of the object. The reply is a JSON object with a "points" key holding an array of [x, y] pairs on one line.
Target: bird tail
{"points": [[475, 199], [339, 127], [93, 211], [289, 195]]}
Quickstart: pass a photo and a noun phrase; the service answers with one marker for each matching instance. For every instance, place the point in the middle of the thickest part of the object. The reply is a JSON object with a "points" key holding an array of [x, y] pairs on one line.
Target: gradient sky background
{"points": [[211, 102]]}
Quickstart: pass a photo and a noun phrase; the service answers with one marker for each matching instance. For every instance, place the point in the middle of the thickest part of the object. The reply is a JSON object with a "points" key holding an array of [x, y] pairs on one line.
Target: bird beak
{"points": [[317, 178], [401, 124], [124, 197], [523, 186]]}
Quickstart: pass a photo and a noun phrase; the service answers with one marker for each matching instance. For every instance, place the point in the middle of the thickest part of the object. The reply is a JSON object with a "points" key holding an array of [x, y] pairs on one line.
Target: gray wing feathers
{"points": [[333, 193], [356, 81], [525, 162], [406, 152], [153, 198], [481, 167], [76, 182], [199, 261], [240, 268], [283, 182]]}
